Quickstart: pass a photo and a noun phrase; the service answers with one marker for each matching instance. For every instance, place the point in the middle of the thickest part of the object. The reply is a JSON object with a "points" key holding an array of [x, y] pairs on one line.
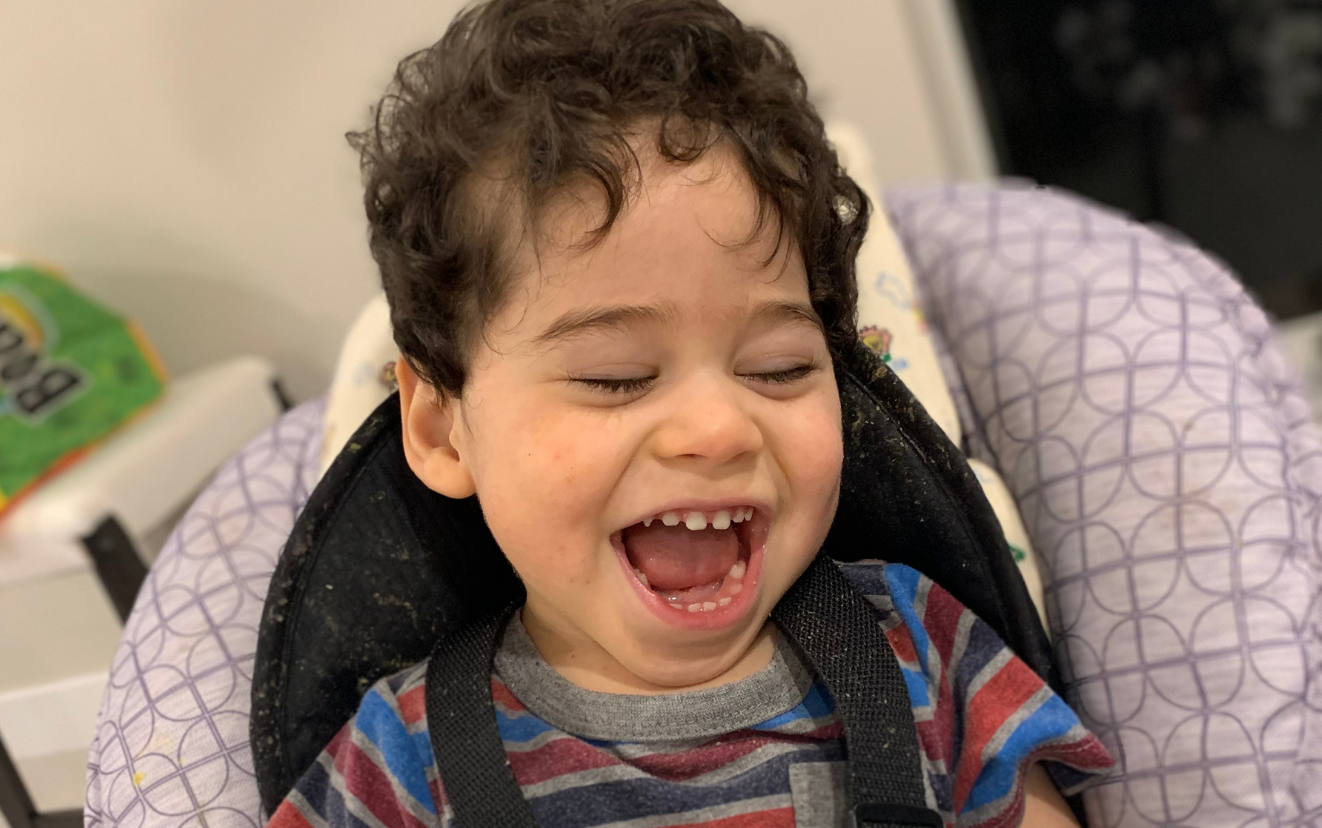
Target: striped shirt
{"points": [[767, 750]]}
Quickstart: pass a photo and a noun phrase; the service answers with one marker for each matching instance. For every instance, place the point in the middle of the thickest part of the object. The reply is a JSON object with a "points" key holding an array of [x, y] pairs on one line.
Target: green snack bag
{"points": [[71, 372]]}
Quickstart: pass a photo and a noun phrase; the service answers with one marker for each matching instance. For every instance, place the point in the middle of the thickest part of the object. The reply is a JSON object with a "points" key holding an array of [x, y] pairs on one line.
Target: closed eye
{"points": [[632, 385], [788, 375], [610, 385]]}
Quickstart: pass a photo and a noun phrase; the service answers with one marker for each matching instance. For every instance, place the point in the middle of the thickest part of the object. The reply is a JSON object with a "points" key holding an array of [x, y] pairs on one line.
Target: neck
{"points": [[587, 664]]}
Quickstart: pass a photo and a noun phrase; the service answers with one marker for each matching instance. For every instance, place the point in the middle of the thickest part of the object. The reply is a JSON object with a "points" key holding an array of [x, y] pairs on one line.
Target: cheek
{"points": [[568, 453], [575, 455], [544, 482], [814, 448]]}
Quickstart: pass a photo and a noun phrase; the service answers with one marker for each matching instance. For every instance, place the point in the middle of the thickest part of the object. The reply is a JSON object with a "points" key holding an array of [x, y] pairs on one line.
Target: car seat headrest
{"points": [[378, 566]]}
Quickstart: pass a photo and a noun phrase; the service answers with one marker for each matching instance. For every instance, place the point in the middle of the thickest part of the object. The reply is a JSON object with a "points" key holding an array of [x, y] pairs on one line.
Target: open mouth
{"points": [[695, 567]]}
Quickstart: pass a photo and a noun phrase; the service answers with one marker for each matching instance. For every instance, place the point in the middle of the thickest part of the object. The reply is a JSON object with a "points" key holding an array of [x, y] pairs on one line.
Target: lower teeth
{"points": [[736, 573], [702, 606]]}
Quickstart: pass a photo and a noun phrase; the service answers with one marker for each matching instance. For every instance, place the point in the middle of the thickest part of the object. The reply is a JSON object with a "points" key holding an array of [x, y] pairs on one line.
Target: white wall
{"points": [[184, 160]]}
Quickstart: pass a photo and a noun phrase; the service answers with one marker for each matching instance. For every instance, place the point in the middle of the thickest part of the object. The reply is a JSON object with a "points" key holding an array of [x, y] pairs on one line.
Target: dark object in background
{"points": [[1205, 115]]}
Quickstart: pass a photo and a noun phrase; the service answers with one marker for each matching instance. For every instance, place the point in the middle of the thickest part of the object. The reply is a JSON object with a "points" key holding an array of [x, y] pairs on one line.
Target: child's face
{"points": [[666, 370]]}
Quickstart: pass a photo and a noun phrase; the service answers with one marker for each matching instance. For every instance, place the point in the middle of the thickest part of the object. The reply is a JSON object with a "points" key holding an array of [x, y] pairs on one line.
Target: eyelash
{"points": [[634, 384], [615, 386], [798, 372]]}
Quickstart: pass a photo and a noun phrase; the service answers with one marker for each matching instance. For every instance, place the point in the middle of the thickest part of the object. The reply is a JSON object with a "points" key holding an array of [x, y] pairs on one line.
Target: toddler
{"points": [[619, 254]]}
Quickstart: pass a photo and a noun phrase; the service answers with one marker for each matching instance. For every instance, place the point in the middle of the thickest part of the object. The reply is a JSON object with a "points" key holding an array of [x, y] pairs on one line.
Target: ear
{"points": [[430, 425]]}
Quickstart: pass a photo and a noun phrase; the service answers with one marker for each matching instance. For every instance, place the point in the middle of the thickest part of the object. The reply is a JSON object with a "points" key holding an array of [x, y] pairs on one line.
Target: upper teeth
{"points": [[698, 521]]}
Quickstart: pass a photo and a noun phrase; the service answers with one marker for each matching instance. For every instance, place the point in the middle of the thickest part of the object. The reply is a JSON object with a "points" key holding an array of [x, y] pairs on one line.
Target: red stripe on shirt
{"points": [[340, 739], [501, 695], [683, 765], [413, 705], [370, 784], [557, 758], [1088, 753], [1007, 691], [833, 730], [941, 621], [288, 816], [902, 643], [934, 741], [937, 733], [944, 716]]}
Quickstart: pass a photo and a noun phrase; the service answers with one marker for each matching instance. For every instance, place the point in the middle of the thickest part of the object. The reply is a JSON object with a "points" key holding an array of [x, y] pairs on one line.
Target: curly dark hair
{"points": [[547, 92]]}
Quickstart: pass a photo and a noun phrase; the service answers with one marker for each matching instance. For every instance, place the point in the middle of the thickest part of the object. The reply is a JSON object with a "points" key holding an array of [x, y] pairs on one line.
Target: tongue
{"points": [[676, 557]]}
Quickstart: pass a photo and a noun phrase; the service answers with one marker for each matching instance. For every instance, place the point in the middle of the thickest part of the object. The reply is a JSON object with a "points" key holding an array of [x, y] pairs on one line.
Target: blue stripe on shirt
{"points": [[815, 704], [398, 748], [916, 683], [520, 728], [904, 582], [1050, 721]]}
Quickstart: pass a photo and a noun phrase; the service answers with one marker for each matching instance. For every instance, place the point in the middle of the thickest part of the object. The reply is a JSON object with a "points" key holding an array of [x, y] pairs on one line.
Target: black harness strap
{"points": [[465, 740], [836, 631], [828, 622]]}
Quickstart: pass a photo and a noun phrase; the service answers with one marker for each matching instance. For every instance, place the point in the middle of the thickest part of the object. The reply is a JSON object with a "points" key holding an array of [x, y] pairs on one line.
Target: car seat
{"points": [[1017, 280], [347, 604]]}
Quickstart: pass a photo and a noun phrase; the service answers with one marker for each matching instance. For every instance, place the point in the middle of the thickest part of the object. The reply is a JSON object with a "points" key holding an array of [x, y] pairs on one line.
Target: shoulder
{"points": [[983, 715], [391, 722], [378, 765], [398, 698], [945, 650], [915, 615], [915, 600], [899, 593]]}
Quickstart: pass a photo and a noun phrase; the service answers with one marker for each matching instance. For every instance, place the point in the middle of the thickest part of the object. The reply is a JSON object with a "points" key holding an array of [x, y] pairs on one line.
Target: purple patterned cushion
{"points": [[1166, 466], [171, 747]]}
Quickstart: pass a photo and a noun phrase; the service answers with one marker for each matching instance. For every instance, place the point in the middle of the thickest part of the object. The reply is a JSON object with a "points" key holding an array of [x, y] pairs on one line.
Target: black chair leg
{"points": [[15, 803], [122, 571], [17, 806], [58, 819], [118, 564]]}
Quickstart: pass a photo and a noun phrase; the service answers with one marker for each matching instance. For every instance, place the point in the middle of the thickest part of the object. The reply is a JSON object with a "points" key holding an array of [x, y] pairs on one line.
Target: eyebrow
{"points": [[591, 320], [620, 318], [790, 312]]}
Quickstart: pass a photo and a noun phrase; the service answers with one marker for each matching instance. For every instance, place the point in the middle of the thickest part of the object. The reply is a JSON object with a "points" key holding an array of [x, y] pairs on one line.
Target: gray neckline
{"points": [[614, 717]]}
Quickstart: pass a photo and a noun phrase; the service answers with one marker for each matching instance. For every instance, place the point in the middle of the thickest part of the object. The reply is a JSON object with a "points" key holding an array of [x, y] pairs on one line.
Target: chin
{"points": [[676, 662], [678, 673]]}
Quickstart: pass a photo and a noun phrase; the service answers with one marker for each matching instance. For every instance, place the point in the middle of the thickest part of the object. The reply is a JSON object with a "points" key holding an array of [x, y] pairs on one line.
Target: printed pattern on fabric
{"points": [[171, 746], [1169, 473], [981, 714]]}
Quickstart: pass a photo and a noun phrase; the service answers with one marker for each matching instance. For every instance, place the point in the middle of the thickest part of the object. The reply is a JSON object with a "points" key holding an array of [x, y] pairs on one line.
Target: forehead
{"points": [[688, 230]]}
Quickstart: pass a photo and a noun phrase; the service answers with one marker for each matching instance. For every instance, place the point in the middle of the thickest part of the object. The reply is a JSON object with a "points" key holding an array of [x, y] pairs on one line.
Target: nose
{"points": [[709, 420]]}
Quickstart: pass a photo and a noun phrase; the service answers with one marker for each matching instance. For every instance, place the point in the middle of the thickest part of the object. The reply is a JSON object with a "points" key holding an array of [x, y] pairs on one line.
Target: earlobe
{"points": [[429, 419]]}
